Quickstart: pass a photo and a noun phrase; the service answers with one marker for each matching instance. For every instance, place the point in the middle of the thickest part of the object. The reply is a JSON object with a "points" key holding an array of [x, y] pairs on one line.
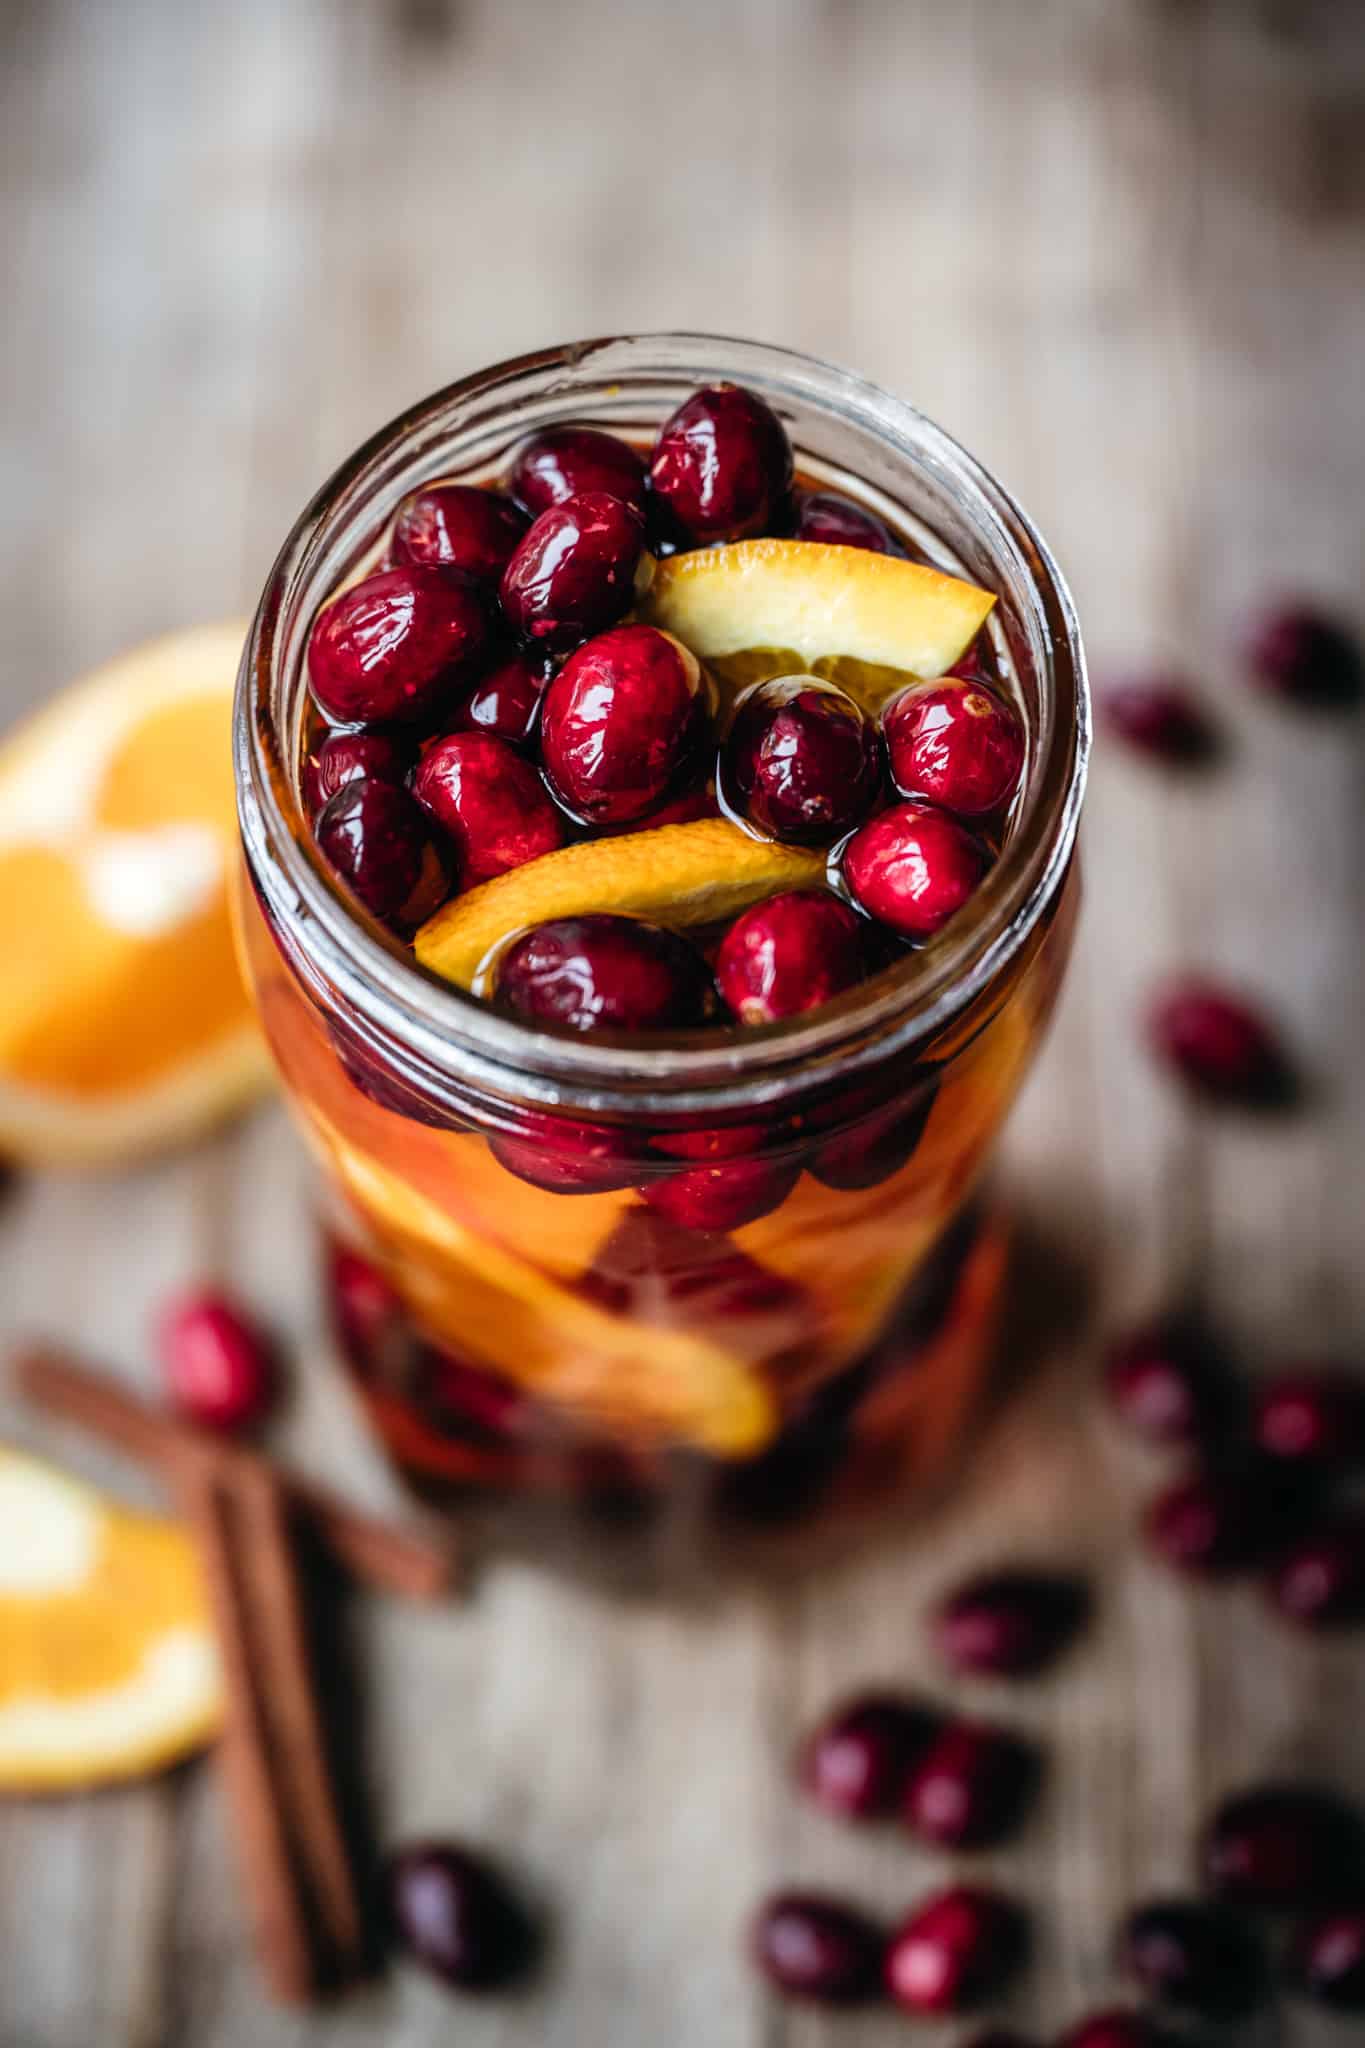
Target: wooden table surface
{"points": [[1119, 249]]}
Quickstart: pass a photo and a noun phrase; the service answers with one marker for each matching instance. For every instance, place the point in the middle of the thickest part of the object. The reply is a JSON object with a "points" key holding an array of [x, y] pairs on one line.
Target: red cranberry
{"points": [[1313, 1416], [683, 810], [397, 647], [1009, 1624], [1320, 1582], [954, 1950], [603, 972], [1117, 2028], [506, 703], [347, 757], [1307, 657], [842, 523], [878, 1144], [955, 743], [366, 1310], [495, 1407], [1167, 1382], [574, 573], [459, 526], [808, 1946], [567, 1157], [1193, 1956], [725, 1196], [1218, 1046], [489, 802], [1327, 1959], [1158, 716], [722, 465], [561, 462], [801, 762], [382, 845], [219, 1366], [913, 868], [1281, 1845], [454, 1915], [621, 722], [976, 663], [855, 1763], [998, 2037], [970, 1786], [1222, 1522], [789, 954], [731, 1141]]}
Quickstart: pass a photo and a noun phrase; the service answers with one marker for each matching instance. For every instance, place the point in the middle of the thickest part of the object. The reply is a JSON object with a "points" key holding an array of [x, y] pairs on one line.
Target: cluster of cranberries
{"points": [[485, 703]]}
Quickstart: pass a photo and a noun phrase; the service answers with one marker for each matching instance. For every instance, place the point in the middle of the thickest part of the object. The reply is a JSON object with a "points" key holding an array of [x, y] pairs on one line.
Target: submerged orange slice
{"points": [[772, 607], [108, 1666], [680, 875], [124, 1022]]}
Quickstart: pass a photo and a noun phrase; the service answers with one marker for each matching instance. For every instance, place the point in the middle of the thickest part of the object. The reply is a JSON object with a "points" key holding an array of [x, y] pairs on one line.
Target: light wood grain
{"points": [[1120, 250]]}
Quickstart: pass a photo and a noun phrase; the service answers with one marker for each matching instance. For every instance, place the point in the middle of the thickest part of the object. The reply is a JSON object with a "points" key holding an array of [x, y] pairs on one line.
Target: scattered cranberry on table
{"points": [[505, 702], [396, 648], [956, 744], [1219, 1046], [1118, 2027], [1281, 1846], [343, 757], [1327, 1957], [801, 762], [1194, 1957], [574, 572], [604, 972], [790, 954], [969, 1787], [726, 1195], [722, 466], [1312, 1417], [1320, 1581], [1009, 1624], [489, 802], [955, 1950], [623, 720], [459, 526], [913, 867], [1301, 654], [560, 462], [841, 522], [812, 1947], [1226, 1520], [1167, 1382], [452, 1913], [856, 1762], [219, 1365], [1159, 716], [383, 846]]}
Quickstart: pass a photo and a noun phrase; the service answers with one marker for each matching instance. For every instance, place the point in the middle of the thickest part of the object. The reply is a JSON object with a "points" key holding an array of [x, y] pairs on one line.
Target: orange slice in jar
{"points": [[760, 608], [702, 873]]}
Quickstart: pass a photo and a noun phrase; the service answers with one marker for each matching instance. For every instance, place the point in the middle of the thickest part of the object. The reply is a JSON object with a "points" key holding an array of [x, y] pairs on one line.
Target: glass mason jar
{"points": [[526, 1327]]}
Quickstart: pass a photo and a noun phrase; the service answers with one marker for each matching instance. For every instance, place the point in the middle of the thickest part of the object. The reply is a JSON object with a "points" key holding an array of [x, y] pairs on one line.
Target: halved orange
{"points": [[124, 1022], [108, 1664]]}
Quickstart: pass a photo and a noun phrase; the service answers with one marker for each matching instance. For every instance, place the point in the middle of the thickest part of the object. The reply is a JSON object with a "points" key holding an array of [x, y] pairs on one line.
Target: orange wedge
{"points": [[680, 875], [108, 1666], [124, 1023], [777, 607]]}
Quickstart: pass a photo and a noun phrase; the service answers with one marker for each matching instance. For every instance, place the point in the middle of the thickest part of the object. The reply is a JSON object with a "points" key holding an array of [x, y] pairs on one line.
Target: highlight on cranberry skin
{"points": [[722, 466], [913, 868], [1010, 1624], [604, 972], [219, 1365], [459, 526], [344, 757], [836, 521], [801, 762], [559, 462], [1282, 1845], [489, 802], [955, 743], [1219, 1046], [396, 648], [383, 846], [574, 572], [812, 1947], [1301, 653], [790, 954], [856, 1761], [955, 1950], [622, 722]]}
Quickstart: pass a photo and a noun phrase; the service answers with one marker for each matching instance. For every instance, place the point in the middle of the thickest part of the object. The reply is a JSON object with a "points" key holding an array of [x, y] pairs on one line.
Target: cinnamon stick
{"points": [[413, 1564]]}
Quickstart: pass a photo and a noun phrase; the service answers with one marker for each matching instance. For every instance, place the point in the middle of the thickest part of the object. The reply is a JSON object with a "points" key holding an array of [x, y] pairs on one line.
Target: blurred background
{"points": [[1117, 247]]}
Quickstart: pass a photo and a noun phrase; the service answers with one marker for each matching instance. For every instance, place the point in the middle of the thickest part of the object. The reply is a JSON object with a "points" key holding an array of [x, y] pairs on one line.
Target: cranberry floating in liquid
{"points": [[913, 868], [813, 1947], [840, 522], [724, 1196], [564, 1156], [383, 846], [574, 572], [397, 647], [489, 802], [505, 703], [344, 757], [955, 743], [801, 762], [622, 721], [855, 1763], [459, 526], [722, 465], [954, 1951], [789, 954], [367, 1313], [603, 972], [219, 1365], [878, 1144], [560, 462]]}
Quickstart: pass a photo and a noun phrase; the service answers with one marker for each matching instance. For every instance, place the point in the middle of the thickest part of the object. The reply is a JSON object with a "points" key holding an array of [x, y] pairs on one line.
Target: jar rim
{"points": [[439, 1032]]}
